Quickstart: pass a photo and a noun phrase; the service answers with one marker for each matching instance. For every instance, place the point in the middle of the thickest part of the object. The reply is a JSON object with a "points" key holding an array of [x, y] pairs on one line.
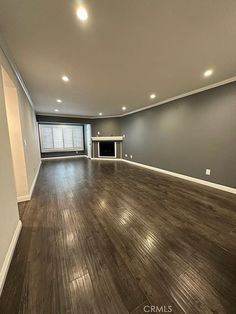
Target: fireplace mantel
{"points": [[100, 141], [107, 138]]}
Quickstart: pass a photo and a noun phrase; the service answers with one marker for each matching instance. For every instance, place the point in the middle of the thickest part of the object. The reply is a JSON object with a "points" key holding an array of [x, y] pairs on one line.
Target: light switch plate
{"points": [[208, 172]]}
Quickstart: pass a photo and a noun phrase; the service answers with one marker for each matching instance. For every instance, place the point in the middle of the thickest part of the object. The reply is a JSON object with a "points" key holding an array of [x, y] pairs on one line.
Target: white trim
{"points": [[16, 71], [64, 157], [35, 179], [107, 159], [112, 157], [23, 198], [7, 260], [107, 138], [181, 176], [14, 68], [196, 91], [27, 197]]}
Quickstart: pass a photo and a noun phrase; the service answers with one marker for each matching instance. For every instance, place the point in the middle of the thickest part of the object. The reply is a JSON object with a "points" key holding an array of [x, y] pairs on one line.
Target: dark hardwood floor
{"points": [[108, 237]]}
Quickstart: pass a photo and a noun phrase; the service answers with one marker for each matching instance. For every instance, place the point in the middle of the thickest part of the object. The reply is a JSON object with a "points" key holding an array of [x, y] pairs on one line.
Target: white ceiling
{"points": [[126, 50]]}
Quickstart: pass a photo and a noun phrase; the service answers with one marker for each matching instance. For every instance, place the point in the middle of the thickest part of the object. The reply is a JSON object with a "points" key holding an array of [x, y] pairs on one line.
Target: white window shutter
{"points": [[46, 138], [78, 137], [61, 137], [57, 138], [68, 137]]}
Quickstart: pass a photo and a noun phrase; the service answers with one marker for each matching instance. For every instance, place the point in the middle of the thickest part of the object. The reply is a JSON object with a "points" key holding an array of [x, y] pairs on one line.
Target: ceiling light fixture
{"points": [[208, 72], [56, 110], [82, 14], [65, 78], [152, 96], [123, 108], [59, 100], [100, 113]]}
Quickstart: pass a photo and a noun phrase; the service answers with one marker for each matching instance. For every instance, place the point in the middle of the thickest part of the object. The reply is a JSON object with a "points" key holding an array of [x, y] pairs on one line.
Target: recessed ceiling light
{"points": [[59, 100], [65, 78], [152, 96], [123, 108], [208, 72], [100, 113], [82, 14], [56, 110]]}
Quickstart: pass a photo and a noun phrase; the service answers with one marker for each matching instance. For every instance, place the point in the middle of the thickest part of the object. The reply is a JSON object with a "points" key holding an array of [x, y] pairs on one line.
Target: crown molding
{"points": [[74, 116], [196, 91], [13, 65], [14, 68]]}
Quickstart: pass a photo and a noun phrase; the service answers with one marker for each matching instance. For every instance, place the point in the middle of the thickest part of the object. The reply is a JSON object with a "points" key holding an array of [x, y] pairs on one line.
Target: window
{"points": [[61, 137]]}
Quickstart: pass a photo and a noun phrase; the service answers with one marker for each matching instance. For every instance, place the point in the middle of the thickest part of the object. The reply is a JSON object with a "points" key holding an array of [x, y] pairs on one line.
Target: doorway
{"points": [[15, 136]]}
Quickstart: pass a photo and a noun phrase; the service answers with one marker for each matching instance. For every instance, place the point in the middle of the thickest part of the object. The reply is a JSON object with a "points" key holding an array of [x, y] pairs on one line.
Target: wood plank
{"points": [[109, 237]]}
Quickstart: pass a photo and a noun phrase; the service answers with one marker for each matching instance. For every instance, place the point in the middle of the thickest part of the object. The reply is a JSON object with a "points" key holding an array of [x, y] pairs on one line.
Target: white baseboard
{"points": [[35, 179], [27, 197], [111, 159], [64, 157], [23, 198], [7, 261], [181, 176]]}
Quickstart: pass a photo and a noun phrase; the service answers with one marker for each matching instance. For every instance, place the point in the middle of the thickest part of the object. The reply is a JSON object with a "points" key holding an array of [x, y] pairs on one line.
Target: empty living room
{"points": [[118, 156]]}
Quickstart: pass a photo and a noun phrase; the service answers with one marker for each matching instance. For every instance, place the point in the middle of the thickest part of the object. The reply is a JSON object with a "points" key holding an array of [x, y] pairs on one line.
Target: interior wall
{"points": [[106, 127], [30, 139], [15, 135], [28, 126], [9, 216], [188, 135]]}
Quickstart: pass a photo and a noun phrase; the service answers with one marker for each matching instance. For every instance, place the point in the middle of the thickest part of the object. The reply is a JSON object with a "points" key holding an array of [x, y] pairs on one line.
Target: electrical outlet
{"points": [[126, 155], [208, 172], [131, 156], [123, 135], [98, 133]]}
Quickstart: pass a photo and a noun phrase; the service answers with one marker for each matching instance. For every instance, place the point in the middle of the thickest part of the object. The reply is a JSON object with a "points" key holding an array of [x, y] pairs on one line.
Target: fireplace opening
{"points": [[107, 149]]}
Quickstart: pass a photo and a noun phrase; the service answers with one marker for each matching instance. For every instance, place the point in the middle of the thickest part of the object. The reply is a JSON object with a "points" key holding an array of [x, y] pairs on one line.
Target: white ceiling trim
{"points": [[14, 68], [74, 116], [13, 65], [196, 91]]}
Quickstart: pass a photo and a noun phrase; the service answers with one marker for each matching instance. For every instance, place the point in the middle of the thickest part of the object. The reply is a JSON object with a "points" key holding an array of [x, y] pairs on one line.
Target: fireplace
{"points": [[107, 149]]}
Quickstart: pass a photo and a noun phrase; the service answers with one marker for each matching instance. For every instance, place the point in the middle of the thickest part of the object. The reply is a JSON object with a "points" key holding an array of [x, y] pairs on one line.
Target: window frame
{"points": [[60, 125]]}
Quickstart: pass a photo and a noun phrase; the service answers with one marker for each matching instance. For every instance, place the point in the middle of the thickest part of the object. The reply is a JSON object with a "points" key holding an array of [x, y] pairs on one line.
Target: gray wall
{"points": [[106, 127], [188, 135]]}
